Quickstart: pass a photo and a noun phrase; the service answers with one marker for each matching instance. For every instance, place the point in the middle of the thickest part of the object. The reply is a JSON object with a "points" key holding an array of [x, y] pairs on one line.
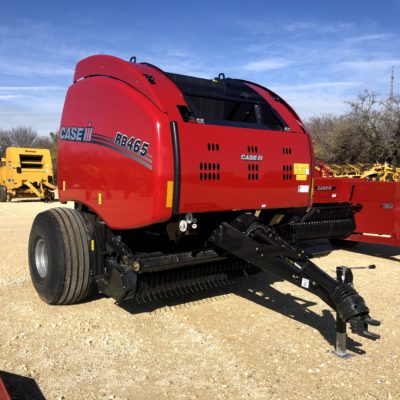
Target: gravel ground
{"points": [[258, 339]]}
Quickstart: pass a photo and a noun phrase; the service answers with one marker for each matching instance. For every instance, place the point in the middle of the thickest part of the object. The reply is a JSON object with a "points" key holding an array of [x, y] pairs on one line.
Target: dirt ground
{"points": [[258, 339]]}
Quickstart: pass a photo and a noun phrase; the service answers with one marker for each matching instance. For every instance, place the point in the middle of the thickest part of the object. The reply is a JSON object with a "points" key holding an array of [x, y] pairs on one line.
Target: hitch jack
{"points": [[344, 275]]}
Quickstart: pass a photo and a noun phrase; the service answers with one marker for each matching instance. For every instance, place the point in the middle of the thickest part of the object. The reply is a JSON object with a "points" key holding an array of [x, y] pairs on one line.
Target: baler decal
{"points": [[133, 143], [301, 171], [105, 143], [99, 137], [86, 135], [76, 133]]}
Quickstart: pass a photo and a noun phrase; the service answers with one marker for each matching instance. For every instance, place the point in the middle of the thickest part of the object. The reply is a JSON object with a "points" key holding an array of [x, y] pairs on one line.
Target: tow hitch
{"points": [[249, 239]]}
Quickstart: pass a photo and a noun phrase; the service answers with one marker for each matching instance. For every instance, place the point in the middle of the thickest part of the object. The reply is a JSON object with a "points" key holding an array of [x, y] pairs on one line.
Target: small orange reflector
{"points": [[99, 199], [170, 192], [64, 185]]}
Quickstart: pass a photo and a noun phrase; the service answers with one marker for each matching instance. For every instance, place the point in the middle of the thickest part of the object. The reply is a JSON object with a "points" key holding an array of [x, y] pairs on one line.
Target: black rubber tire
{"points": [[65, 234], [3, 194]]}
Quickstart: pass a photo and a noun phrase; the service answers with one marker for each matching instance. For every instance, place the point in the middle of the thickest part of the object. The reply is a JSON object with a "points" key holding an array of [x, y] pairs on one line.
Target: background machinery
{"points": [[370, 172], [26, 172], [375, 190], [183, 183]]}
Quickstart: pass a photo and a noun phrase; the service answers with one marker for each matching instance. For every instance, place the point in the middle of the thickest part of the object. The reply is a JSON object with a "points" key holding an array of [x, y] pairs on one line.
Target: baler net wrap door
{"points": [[31, 161], [226, 102]]}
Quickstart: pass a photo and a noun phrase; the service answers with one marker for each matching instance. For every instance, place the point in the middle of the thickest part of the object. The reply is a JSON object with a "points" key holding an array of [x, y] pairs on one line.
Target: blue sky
{"points": [[315, 54]]}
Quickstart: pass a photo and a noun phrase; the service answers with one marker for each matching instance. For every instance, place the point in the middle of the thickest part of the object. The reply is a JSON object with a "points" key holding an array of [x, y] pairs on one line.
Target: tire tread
{"points": [[73, 229]]}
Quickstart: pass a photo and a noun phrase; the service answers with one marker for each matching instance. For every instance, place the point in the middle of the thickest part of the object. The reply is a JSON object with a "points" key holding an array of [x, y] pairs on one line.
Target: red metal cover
{"points": [[116, 151], [379, 219]]}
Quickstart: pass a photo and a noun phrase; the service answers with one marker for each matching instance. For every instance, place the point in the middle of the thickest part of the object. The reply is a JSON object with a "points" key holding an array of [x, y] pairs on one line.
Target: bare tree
{"points": [[368, 132], [28, 137], [5, 141], [23, 136]]}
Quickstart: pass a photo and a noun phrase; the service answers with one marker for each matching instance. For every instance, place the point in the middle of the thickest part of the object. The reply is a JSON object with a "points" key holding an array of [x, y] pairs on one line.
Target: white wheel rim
{"points": [[41, 258]]}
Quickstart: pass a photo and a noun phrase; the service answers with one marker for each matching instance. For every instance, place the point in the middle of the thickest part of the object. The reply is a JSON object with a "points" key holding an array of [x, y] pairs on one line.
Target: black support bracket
{"points": [[247, 238]]}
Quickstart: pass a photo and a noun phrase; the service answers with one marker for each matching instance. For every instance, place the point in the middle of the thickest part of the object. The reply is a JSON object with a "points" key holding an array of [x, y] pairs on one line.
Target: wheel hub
{"points": [[41, 258]]}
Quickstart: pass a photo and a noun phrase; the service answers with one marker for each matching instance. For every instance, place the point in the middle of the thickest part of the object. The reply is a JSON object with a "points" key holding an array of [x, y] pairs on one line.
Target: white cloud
{"points": [[302, 27], [367, 38], [332, 27], [36, 106], [319, 85], [265, 65], [9, 96], [42, 122], [29, 89], [308, 104], [311, 99], [33, 68]]}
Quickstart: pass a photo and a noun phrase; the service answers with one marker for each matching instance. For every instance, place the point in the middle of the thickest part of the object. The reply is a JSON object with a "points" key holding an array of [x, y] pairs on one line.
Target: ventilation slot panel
{"points": [[252, 172], [287, 151], [31, 161], [209, 171], [287, 171]]}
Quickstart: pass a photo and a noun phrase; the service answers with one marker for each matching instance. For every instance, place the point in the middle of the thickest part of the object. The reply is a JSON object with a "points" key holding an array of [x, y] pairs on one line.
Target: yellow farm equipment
{"points": [[26, 173], [370, 172]]}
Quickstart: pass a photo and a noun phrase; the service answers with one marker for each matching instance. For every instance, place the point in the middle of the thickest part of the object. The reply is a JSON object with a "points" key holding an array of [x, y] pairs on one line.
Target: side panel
{"points": [[381, 208], [333, 190], [280, 179], [379, 219], [115, 153], [226, 168]]}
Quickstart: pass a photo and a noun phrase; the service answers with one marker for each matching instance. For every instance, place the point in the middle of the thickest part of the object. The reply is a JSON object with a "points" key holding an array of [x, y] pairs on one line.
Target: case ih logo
{"points": [[251, 157], [76, 133], [324, 188]]}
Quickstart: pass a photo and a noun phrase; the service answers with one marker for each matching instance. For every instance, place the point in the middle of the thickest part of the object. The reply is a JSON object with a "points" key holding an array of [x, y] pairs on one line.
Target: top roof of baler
{"points": [[218, 101], [226, 102]]}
